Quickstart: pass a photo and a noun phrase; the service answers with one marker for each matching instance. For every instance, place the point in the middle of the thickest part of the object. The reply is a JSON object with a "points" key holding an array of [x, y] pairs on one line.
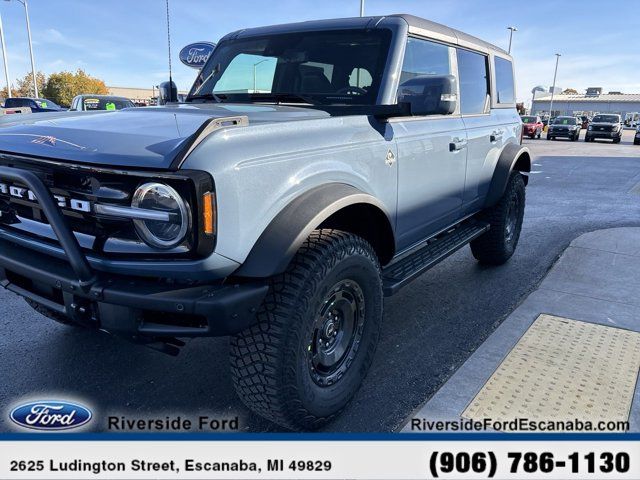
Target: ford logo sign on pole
{"points": [[196, 54], [51, 415]]}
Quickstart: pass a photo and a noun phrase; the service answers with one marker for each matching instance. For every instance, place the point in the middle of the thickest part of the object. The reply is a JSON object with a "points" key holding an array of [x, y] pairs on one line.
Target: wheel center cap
{"points": [[329, 329]]}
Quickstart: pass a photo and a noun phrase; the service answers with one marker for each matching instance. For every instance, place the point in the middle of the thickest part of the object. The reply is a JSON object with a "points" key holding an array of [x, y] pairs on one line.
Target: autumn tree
{"points": [[24, 86], [63, 86]]}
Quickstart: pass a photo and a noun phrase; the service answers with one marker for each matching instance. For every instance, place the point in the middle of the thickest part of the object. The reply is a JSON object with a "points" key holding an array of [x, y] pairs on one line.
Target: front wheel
{"points": [[497, 245], [316, 333]]}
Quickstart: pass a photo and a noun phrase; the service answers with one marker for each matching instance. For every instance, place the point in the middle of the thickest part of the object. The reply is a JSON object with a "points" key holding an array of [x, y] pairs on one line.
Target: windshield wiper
{"points": [[208, 96]]}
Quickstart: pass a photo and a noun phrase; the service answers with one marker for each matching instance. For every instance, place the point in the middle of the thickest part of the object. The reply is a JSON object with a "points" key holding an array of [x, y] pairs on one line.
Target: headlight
{"points": [[169, 231], [590, 128], [616, 128]]}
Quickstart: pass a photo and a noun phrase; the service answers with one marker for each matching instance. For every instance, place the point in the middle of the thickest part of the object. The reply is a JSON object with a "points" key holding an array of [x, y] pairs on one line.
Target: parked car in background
{"points": [[605, 126], [636, 139], [532, 126], [91, 103], [37, 105], [564, 127]]}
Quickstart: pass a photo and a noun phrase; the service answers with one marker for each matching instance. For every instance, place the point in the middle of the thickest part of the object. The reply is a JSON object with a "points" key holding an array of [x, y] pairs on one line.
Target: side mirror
{"points": [[430, 94], [167, 93]]}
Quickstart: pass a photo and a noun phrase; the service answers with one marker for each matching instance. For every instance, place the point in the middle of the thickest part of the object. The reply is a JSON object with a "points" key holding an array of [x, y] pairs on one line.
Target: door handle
{"points": [[457, 144]]}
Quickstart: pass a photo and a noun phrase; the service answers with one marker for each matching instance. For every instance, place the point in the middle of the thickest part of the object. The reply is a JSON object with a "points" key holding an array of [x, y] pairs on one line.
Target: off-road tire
{"points": [[271, 362], [497, 245], [617, 140]]}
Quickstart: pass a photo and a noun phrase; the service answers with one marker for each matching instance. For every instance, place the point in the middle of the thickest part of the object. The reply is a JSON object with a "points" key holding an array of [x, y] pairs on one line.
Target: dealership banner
{"points": [[403, 457]]}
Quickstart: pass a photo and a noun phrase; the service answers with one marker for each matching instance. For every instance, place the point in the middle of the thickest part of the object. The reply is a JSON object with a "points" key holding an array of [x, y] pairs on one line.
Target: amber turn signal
{"points": [[209, 213]]}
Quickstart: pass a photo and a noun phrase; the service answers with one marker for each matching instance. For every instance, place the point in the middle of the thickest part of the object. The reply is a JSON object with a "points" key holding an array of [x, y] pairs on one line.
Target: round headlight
{"points": [[590, 127], [167, 229]]}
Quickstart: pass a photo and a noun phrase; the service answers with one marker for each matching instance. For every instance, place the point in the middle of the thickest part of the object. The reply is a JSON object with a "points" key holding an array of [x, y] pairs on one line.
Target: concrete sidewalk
{"points": [[596, 280]]}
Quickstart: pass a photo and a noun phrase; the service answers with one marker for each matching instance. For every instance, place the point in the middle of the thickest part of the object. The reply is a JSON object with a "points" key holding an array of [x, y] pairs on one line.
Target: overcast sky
{"points": [[124, 41]]}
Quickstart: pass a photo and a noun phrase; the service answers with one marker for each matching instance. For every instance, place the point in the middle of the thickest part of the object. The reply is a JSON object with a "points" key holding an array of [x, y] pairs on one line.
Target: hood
{"points": [[148, 137]]}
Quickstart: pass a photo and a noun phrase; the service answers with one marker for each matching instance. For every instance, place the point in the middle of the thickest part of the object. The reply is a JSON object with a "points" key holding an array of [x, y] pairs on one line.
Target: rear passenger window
{"points": [[473, 76], [422, 57], [504, 80]]}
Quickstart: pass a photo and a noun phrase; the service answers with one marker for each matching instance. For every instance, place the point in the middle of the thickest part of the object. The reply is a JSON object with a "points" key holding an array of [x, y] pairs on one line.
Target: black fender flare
{"points": [[513, 157], [279, 242]]}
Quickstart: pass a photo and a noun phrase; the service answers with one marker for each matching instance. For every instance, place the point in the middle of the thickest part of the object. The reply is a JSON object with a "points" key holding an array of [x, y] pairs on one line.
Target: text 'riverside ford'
{"points": [[278, 210]]}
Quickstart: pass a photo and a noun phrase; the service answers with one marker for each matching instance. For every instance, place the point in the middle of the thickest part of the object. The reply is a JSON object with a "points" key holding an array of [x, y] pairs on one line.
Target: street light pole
{"points": [[511, 30], [362, 8], [33, 65], [255, 86], [553, 88], [4, 56]]}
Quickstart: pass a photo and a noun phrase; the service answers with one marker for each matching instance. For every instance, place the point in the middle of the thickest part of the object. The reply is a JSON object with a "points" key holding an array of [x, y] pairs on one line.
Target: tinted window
{"points": [[473, 77], [504, 80], [91, 104], [565, 121], [424, 58], [17, 102], [606, 118], [529, 119]]}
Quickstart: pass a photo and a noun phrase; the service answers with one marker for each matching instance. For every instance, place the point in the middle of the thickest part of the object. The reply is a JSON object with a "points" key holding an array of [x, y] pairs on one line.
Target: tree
{"points": [[63, 86], [570, 91], [24, 86]]}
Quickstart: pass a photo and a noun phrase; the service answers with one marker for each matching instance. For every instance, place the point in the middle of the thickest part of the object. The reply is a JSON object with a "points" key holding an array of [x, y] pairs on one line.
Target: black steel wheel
{"points": [[316, 333], [497, 245]]}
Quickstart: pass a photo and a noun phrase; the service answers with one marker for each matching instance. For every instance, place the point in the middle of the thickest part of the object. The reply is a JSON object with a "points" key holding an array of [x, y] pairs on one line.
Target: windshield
{"points": [[606, 119], [329, 67], [564, 121], [91, 104], [528, 119], [45, 103]]}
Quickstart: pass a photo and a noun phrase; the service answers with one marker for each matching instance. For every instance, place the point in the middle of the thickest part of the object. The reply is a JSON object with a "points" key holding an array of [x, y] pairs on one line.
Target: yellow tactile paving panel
{"points": [[563, 369]]}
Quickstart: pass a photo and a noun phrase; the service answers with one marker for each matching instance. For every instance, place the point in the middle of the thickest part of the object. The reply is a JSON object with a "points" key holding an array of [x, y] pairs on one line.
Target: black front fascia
{"points": [[98, 234]]}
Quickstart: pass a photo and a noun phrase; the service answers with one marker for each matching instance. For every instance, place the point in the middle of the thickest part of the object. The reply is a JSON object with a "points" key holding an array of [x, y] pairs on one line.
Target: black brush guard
{"points": [[137, 307]]}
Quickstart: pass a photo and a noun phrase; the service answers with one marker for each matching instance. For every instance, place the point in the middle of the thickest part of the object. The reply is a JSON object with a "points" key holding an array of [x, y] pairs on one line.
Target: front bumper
{"points": [[126, 304], [597, 134], [562, 134], [130, 306]]}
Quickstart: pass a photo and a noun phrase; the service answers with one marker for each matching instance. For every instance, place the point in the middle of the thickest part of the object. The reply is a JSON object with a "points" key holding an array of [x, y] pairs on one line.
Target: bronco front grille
{"points": [[77, 189]]}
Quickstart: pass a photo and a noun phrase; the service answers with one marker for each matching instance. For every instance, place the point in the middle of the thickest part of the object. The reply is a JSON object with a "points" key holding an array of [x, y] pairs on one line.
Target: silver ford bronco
{"points": [[314, 169]]}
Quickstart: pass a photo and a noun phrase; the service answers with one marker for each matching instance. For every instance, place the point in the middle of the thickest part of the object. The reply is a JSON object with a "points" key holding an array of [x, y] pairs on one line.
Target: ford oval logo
{"points": [[51, 415], [196, 54]]}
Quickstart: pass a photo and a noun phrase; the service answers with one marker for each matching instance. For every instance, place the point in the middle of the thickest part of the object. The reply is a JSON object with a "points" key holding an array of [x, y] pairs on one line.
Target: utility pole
{"points": [[511, 30], [4, 56], [362, 8], [553, 88]]}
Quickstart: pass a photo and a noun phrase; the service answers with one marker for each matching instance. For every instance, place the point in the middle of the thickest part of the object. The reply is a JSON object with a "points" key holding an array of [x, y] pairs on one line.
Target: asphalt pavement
{"points": [[429, 329]]}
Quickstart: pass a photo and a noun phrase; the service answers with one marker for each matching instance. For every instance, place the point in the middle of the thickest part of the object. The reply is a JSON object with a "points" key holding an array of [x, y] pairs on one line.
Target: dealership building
{"points": [[139, 96], [590, 103]]}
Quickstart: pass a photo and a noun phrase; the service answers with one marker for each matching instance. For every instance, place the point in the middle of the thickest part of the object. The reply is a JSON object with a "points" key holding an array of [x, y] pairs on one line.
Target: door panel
{"points": [[430, 175], [486, 136]]}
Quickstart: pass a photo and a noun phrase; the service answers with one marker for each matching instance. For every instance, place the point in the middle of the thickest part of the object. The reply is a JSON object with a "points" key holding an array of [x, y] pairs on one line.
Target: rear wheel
{"points": [[497, 245], [316, 334]]}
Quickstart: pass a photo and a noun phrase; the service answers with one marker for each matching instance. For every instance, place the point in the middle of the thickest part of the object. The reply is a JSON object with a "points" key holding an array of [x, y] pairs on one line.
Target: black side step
{"points": [[400, 272]]}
